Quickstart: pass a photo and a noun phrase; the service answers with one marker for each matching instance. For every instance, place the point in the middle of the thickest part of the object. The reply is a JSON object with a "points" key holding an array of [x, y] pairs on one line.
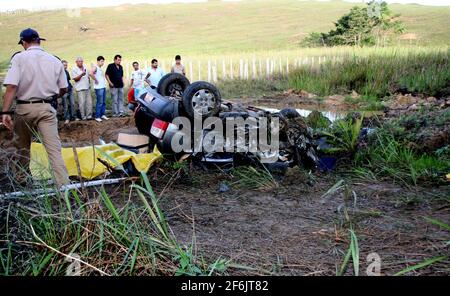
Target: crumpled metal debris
{"points": [[297, 146]]}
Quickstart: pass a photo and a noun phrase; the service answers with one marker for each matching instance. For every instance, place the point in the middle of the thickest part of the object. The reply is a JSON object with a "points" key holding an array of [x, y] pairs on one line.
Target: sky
{"points": [[53, 4]]}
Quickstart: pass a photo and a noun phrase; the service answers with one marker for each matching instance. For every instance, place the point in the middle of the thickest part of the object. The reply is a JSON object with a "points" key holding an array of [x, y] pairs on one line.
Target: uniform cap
{"points": [[29, 35]]}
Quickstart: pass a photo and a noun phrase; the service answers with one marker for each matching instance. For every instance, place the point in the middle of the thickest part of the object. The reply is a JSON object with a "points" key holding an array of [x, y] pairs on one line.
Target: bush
{"points": [[388, 157]]}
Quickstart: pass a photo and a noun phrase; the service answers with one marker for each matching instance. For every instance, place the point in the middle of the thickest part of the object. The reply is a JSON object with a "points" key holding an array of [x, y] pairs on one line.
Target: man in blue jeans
{"points": [[68, 99], [100, 89]]}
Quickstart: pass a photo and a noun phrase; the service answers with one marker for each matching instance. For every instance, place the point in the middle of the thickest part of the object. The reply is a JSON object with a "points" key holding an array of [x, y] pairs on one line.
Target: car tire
{"points": [[172, 85], [289, 113], [202, 98]]}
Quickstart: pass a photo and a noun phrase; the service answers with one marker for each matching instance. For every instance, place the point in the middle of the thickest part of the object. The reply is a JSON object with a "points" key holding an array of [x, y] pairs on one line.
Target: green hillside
{"points": [[203, 28]]}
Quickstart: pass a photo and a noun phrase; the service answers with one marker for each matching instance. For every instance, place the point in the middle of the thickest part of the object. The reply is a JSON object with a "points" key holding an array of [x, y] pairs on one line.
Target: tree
{"points": [[385, 21], [361, 26]]}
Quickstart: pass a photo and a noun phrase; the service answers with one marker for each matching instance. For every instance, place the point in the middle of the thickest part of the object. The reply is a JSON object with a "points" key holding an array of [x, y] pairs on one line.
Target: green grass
{"points": [[433, 260], [53, 236], [241, 88], [388, 157], [353, 252], [344, 135], [255, 178], [196, 30], [378, 74]]}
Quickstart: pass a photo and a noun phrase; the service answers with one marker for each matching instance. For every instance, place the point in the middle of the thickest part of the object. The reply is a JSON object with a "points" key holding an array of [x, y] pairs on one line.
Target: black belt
{"points": [[34, 102]]}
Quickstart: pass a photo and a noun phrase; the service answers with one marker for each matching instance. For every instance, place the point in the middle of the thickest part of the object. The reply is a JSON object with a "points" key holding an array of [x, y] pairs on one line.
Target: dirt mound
{"points": [[408, 103], [427, 130], [89, 132], [303, 100], [83, 132], [431, 141]]}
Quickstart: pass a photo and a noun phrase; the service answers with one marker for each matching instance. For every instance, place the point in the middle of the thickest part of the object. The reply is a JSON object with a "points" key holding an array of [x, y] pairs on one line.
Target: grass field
{"points": [[204, 29], [379, 75], [224, 34]]}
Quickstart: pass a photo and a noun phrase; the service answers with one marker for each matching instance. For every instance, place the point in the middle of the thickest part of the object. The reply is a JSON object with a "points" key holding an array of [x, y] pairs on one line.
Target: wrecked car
{"points": [[158, 111]]}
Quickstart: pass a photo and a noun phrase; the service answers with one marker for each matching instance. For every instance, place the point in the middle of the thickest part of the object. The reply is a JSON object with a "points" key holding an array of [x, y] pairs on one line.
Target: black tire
{"points": [[289, 113], [277, 168], [203, 95], [172, 85]]}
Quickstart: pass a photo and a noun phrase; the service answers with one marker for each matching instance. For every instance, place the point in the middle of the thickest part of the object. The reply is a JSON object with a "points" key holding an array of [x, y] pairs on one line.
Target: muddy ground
{"points": [[292, 229]]}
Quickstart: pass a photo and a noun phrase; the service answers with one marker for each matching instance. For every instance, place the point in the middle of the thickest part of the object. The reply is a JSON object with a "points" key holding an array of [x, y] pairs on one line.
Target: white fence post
{"points": [[281, 66], [224, 70], [231, 69], [241, 69], [254, 74], [246, 69], [199, 70], [260, 68], [214, 73], [287, 65], [127, 67], [209, 71], [191, 71]]}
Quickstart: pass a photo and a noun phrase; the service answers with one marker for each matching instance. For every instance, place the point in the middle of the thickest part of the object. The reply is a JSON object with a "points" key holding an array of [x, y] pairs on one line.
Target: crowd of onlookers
{"points": [[81, 80]]}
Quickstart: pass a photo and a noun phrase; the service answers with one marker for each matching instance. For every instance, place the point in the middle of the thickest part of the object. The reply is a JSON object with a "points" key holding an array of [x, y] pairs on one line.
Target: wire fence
{"points": [[213, 70], [228, 69]]}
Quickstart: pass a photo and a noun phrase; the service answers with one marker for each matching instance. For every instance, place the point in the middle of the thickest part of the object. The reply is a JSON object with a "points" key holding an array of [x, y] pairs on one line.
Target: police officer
{"points": [[35, 78]]}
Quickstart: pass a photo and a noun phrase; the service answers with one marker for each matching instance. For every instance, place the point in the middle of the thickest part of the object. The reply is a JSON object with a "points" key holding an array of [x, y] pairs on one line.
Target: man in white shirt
{"points": [[82, 85], [100, 89], [178, 66], [155, 74], [137, 79]]}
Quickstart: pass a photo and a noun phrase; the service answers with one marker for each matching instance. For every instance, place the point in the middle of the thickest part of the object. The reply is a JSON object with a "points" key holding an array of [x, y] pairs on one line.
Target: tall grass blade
{"points": [[421, 265]]}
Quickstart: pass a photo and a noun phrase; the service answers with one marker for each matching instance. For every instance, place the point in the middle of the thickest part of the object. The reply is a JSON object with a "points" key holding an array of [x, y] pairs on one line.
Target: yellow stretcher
{"points": [[90, 166]]}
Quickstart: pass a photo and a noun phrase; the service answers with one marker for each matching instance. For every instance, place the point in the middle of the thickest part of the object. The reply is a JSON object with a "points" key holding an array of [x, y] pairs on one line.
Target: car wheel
{"points": [[201, 98], [172, 85], [289, 113]]}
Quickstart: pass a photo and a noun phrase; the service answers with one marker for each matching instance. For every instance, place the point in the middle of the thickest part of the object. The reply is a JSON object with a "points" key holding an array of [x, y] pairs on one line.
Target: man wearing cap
{"points": [[35, 78]]}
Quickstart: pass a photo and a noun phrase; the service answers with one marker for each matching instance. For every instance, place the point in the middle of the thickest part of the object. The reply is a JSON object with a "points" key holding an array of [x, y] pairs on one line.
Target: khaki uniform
{"points": [[37, 75]]}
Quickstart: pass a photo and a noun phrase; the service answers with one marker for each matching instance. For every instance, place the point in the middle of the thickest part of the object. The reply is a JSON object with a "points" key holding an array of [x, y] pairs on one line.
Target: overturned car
{"points": [[182, 118]]}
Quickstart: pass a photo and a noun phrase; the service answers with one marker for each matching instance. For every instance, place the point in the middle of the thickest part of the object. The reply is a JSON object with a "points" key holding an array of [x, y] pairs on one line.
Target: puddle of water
{"points": [[331, 115]]}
